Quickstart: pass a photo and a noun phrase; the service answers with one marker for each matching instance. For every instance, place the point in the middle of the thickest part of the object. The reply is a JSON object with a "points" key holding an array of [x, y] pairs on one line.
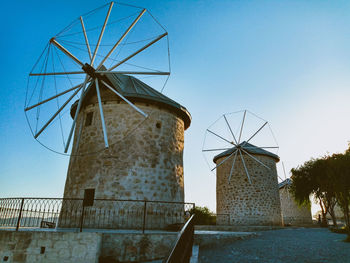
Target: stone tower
{"points": [[240, 203], [144, 160], [292, 213]]}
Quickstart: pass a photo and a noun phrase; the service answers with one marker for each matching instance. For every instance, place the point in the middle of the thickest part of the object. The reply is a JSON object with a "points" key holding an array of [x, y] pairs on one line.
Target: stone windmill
{"points": [[127, 137], [246, 176], [292, 213]]}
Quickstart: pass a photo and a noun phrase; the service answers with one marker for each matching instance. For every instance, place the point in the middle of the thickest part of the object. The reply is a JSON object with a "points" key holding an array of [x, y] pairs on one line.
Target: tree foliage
{"points": [[203, 216], [328, 179]]}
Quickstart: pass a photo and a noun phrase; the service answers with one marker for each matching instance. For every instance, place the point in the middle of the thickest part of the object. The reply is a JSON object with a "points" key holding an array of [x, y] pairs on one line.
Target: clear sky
{"points": [[286, 61]]}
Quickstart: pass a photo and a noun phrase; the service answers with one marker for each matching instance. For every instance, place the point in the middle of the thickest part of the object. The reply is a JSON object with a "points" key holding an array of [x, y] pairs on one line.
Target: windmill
{"points": [[114, 39], [286, 182], [246, 176], [232, 136], [98, 85]]}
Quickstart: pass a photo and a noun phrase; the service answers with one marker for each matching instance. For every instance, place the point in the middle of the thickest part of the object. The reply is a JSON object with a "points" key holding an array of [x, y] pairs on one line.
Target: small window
{"points": [[42, 250], [88, 120], [159, 125]]}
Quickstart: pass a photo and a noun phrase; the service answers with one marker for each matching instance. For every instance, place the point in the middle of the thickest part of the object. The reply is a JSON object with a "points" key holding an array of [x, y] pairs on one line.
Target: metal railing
{"points": [[182, 251], [62, 213]]}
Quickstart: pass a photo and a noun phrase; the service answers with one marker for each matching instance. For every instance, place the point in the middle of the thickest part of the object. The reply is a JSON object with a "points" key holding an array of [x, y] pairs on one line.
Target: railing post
{"points": [[144, 217], [20, 215]]}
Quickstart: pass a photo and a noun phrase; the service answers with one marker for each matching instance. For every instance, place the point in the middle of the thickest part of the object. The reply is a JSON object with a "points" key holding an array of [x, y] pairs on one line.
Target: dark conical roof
{"points": [[136, 91], [288, 181], [250, 148]]}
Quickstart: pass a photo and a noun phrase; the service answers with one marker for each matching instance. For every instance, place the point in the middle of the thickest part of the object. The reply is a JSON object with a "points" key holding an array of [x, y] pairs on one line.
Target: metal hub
{"points": [[88, 69]]}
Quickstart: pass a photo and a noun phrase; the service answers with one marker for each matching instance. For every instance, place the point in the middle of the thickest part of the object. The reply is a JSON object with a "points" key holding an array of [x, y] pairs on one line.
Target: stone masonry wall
{"points": [[136, 247], [69, 247], [20, 247], [292, 213], [144, 160], [248, 204]]}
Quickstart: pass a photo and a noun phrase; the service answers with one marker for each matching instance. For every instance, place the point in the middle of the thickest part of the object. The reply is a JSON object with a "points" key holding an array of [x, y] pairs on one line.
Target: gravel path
{"points": [[309, 245]]}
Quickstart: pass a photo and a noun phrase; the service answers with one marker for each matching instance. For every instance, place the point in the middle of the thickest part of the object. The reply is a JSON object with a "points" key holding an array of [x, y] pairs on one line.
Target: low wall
{"points": [[85, 247], [49, 247], [136, 247]]}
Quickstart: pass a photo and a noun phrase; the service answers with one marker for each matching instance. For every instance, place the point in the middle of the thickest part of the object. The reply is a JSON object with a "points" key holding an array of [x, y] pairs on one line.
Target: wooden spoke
{"points": [[101, 34], [122, 37], [51, 98], [234, 138], [220, 137], [57, 112], [133, 72], [125, 99], [255, 159], [240, 132], [233, 166], [224, 160], [65, 51], [86, 38], [245, 167], [56, 73], [138, 51]]}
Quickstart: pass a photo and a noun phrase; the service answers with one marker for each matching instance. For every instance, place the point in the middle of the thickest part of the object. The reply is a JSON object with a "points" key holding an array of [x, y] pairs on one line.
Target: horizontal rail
{"points": [[38, 212]]}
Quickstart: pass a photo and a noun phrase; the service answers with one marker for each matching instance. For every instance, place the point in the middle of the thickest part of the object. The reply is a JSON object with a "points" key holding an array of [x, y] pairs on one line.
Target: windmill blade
{"points": [[57, 73], [234, 138], [86, 38], [256, 132], [53, 97], [224, 160], [135, 72], [125, 99], [79, 134], [76, 115], [240, 132], [263, 147], [286, 179], [65, 51], [101, 114], [213, 150], [220, 136], [284, 171], [122, 37], [101, 34], [138, 51], [232, 168], [56, 113], [255, 159], [245, 167]]}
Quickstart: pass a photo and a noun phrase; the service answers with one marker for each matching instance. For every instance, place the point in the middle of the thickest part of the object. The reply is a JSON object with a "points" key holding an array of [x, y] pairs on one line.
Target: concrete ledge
{"points": [[236, 228]]}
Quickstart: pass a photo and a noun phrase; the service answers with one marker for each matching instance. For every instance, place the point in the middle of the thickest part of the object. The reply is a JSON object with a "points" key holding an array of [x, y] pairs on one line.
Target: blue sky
{"points": [[286, 61]]}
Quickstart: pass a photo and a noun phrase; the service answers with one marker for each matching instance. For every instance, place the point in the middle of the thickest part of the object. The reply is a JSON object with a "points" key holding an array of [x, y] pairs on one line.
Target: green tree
{"points": [[341, 166], [203, 216], [314, 177]]}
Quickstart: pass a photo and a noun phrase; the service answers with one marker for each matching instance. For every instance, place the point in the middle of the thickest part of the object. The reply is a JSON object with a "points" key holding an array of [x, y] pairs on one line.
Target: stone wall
{"points": [[136, 247], [27, 247], [144, 160], [248, 204], [47, 247], [292, 213]]}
